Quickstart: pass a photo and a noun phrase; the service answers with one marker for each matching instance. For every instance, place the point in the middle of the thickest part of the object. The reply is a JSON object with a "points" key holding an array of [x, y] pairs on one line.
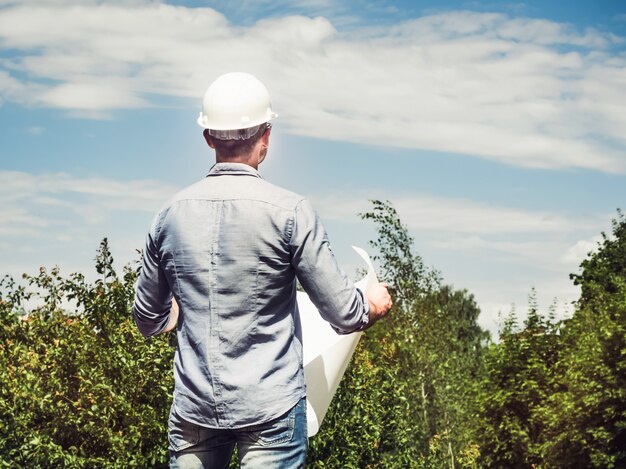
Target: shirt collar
{"points": [[236, 169]]}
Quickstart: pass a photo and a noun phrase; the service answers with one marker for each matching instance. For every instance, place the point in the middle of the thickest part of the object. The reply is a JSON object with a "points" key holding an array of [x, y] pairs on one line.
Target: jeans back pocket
{"points": [[277, 431]]}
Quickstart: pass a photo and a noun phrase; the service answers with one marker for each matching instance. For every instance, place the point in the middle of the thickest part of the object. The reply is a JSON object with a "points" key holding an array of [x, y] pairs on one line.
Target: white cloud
{"points": [[538, 253], [456, 216], [465, 216], [58, 219], [20, 222], [576, 253], [493, 315], [527, 92], [548, 32], [93, 97], [12, 89], [35, 203]]}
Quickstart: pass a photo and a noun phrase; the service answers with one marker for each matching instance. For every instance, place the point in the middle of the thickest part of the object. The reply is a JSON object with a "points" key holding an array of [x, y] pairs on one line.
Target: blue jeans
{"points": [[279, 443]]}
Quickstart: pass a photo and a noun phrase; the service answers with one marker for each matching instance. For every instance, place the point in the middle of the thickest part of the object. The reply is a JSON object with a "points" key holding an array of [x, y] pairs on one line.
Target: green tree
{"points": [[448, 353], [586, 419], [603, 272], [554, 393], [408, 277], [439, 343], [403, 400], [518, 379]]}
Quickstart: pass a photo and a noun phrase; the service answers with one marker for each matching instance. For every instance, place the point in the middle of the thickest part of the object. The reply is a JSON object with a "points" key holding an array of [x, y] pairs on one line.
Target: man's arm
{"points": [[339, 302], [153, 297], [173, 319]]}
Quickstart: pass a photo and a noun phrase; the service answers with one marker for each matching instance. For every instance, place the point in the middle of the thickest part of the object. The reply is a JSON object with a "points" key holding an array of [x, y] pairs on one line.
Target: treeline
{"points": [[427, 388]]}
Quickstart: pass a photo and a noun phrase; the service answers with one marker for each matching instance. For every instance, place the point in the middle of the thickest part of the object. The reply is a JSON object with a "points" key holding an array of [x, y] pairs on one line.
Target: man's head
{"points": [[251, 151], [236, 111]]}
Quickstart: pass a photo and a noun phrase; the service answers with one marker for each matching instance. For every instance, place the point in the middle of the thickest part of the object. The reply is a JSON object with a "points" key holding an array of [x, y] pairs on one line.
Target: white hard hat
{"points": [[233, 102]]}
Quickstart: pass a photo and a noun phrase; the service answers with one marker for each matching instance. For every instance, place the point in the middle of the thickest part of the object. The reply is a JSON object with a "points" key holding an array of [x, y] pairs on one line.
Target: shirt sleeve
{"points": [[337, 299], [153, 295]]}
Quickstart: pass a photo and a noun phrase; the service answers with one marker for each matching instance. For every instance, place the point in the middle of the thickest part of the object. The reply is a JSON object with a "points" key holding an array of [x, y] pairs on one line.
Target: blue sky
{"points": [[495, 128]]}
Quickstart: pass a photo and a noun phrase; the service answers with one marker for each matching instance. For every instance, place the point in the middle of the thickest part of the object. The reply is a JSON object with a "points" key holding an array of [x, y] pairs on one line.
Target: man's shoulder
{"points": [[237, 188], [280, 196]]}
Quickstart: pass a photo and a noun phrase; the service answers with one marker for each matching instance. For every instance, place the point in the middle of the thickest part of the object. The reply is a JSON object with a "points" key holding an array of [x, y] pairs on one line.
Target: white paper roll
{"points": [[326, 353]]}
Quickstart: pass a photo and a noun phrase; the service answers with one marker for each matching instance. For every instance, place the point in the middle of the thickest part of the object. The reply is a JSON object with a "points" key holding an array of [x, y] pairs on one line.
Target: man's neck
{"points": [[248, 159]]}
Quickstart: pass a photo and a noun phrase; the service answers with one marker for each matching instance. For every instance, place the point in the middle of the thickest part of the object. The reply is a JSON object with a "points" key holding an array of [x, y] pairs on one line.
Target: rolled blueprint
{"points": [[326, 353]]}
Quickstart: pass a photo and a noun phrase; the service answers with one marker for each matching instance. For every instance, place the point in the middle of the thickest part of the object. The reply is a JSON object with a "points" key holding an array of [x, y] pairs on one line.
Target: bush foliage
{"points": [[80, 387]]}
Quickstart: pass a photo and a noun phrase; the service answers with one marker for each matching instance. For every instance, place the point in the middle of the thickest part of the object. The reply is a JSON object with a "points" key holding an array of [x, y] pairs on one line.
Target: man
{"points": [[228, 249]]}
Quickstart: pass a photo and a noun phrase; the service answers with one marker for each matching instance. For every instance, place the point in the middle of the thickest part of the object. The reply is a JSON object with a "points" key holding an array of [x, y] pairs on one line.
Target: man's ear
{"points": [[208, 138], [263, 143], [265, 138]]}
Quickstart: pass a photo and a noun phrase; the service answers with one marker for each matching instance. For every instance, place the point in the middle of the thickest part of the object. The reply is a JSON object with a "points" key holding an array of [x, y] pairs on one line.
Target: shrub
{"points": [[79, 386]]}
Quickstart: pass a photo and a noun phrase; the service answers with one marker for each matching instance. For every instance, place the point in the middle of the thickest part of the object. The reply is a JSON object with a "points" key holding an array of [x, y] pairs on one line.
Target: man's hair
{"points": [[231, 148]]}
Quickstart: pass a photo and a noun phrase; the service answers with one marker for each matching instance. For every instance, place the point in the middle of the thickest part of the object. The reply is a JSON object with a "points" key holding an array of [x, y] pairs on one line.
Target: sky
{"points": [[495, 128]]}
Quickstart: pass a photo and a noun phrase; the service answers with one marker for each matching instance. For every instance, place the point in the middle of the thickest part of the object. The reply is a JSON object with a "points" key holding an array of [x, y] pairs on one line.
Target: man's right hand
{"points": [[379, 300]]}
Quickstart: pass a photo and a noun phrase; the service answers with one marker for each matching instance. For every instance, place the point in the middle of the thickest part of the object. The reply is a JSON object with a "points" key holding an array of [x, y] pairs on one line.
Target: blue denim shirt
{"points": [[229, 249]]}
